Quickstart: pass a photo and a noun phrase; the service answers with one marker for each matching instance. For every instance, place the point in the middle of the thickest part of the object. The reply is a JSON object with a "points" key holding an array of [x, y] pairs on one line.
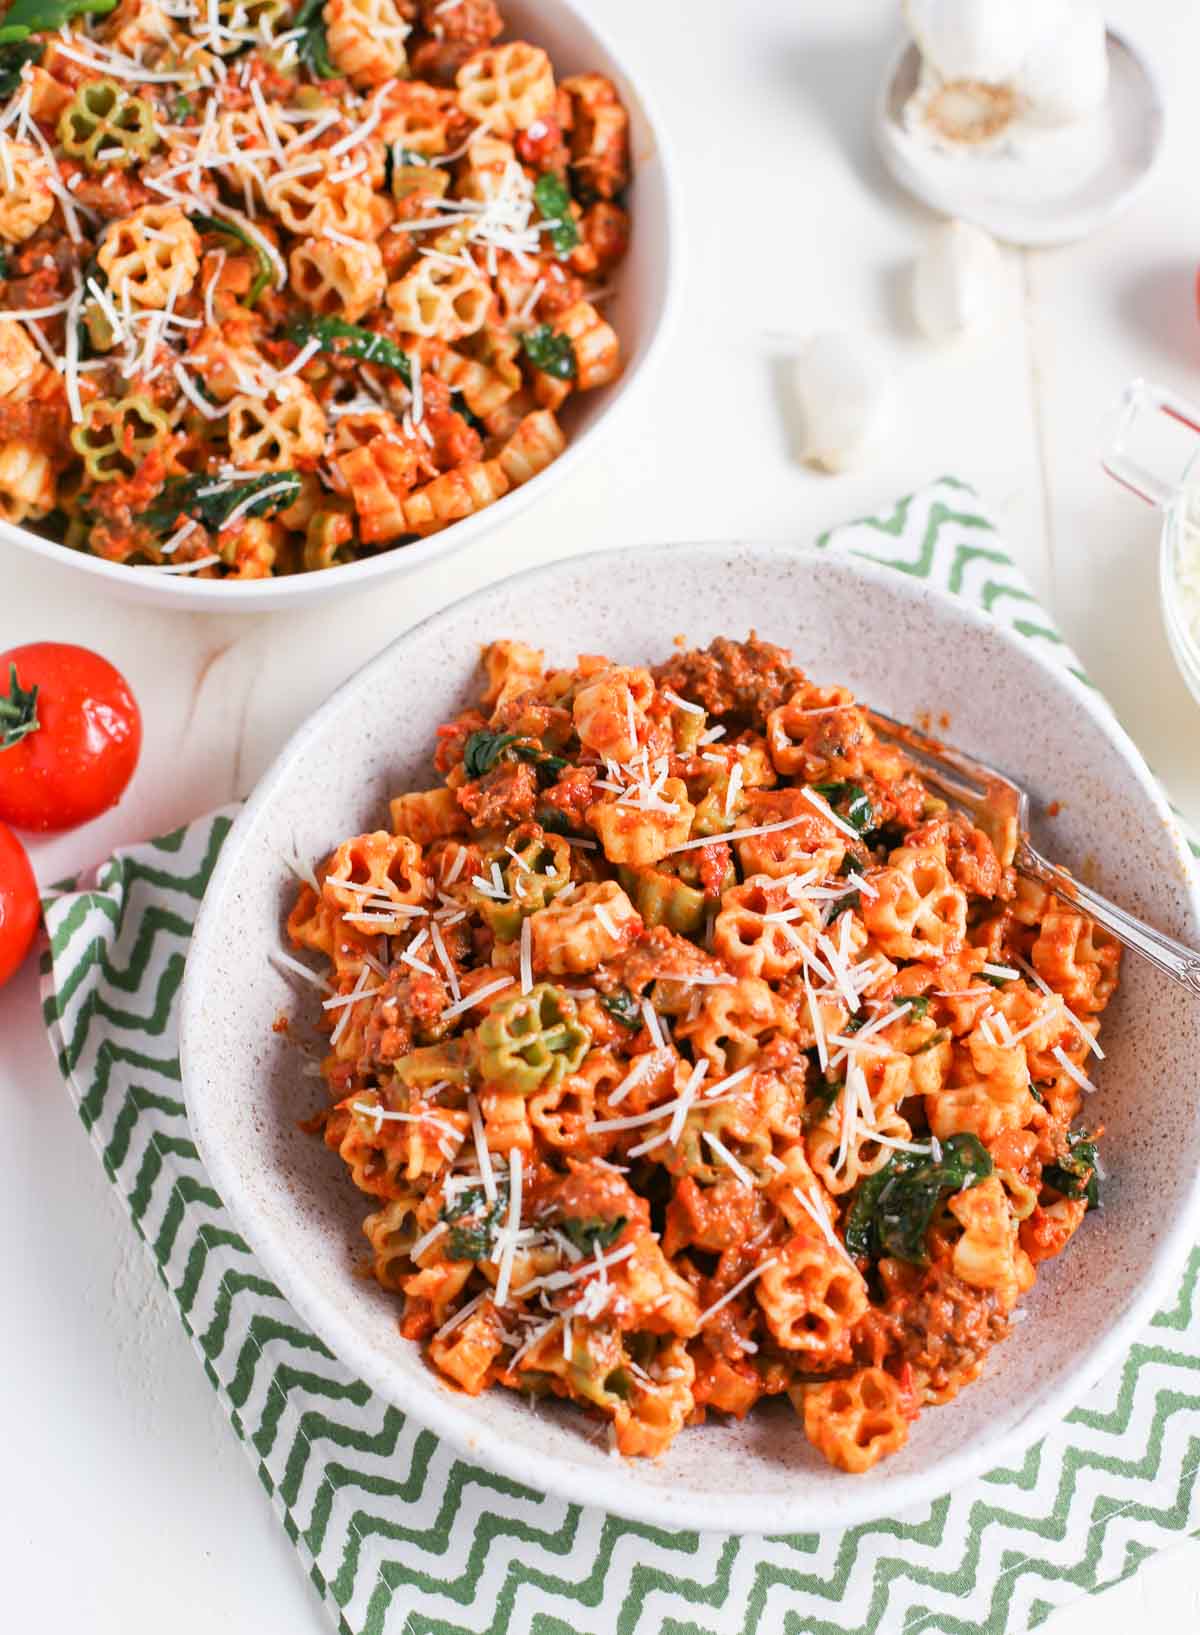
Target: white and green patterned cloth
{"points": [[402, 1536]]}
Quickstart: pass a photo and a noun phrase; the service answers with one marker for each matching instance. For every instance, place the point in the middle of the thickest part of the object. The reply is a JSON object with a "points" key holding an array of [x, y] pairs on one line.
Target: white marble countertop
{"points": [[128, 1506]]}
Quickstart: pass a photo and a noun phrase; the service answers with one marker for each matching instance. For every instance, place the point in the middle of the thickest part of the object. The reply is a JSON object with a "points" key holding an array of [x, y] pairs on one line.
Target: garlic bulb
{"points": [[979, 40], [1065, 76], [991, 67], [843, 395], [956, 282]]}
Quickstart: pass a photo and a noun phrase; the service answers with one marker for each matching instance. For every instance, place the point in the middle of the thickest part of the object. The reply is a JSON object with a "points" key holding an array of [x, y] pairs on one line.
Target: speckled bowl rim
{"points": [[619, 1491]]}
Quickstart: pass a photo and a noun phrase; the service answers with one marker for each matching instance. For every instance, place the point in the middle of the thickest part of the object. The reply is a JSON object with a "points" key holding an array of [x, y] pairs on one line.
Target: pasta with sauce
{"points": [[350, 258], [692, 1051]]}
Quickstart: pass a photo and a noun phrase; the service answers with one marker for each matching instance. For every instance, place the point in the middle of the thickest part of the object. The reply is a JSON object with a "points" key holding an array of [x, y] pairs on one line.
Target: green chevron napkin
{"points": [[400, 1535]]}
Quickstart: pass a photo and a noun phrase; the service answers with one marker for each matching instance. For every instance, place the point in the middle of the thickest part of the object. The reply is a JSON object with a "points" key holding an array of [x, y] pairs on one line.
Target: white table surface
{"points": [[127, 1505]]}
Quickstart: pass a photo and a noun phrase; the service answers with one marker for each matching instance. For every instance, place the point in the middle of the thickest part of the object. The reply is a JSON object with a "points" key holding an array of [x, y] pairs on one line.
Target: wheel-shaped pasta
{"points": [[320, 195], [276, 433], [797, 838], [1075, 958], [637, 834], [106, 127], [346, 280], [914, 910], [762, 931], [532, 1041], [855, 1422], [817, 735], [244, 134], [26, 199], [150, 256], [440, 299], [391, 1232], [366, 40], [988, 1256], [417, 117], [579, 929], [468, 1354], [730, 1022], [115, 436], [609, 711], [377, 880], [507, 87], [812, 1296]]}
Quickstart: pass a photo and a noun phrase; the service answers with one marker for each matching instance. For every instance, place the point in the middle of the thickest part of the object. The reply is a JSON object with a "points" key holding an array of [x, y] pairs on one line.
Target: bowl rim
{"points": [[864, 1501], [180, 593]]}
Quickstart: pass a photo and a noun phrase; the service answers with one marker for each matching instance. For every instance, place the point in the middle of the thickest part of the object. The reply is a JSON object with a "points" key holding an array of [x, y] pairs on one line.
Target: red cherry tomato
{"points": [[70, 734], [18, 904]]}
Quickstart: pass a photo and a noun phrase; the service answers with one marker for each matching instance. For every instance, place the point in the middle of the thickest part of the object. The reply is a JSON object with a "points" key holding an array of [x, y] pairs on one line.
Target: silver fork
{"points": [[1001, 809]]}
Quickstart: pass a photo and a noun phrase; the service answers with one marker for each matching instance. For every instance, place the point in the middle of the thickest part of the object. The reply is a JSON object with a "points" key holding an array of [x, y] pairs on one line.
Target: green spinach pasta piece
{"points": [[116, 435], [532, 1041], [106, 127], [453, 1060], [534, 868], [663, 899]]}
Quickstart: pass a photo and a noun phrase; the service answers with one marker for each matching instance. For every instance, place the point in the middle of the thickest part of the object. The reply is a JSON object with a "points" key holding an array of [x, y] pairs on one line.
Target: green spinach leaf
{"points": [[351, 341], [25, 17], [1074, 1175], [13, 58], [553, 198], [483, 749], [623, 1008], [473, 1222], [550, 352], [312, 47], [231, 229], [893, 1208], [591, 1235], [851, 802], [211, 501], [917, 1003]]}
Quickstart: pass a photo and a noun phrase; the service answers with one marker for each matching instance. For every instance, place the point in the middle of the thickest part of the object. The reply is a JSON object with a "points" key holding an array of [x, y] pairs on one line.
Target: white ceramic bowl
{"points": [[899, 645], [1032, 197], [641, 310]]}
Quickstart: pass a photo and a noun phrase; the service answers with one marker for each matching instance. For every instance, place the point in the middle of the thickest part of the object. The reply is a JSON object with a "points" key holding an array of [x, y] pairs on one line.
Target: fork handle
{"points": [[1173, 958]]}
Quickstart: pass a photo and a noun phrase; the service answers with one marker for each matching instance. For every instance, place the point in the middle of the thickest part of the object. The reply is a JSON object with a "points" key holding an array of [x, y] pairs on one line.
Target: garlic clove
{"points": [[981, 41], [843, 392], [1065, 75], [957, 282]]}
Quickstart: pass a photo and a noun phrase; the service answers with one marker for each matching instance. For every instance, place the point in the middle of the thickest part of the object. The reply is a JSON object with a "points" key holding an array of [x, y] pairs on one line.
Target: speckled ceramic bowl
{"points": [[642, 310], [907, 649]]}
